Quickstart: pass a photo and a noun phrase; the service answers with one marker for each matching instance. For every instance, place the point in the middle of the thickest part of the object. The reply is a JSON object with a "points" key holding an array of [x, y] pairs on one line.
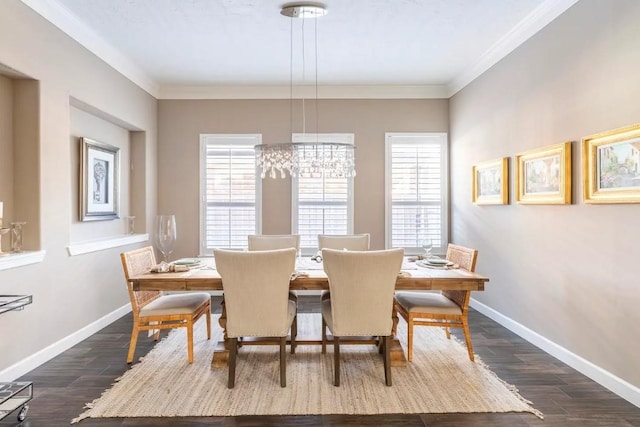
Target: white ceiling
{"points": [[215, 48]]}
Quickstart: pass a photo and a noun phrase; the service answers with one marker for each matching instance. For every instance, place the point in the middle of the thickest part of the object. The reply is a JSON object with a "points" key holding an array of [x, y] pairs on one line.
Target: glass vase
{"points": [[3, 231], [16, 236], [130, 224], [166, 234]]}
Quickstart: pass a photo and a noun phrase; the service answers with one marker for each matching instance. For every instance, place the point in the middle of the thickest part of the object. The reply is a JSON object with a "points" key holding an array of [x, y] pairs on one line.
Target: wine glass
{"points": [[427, 246], [166, 234]]}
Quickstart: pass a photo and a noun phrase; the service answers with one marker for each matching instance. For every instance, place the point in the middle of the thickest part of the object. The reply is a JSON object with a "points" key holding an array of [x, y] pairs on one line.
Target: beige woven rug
{"points": [[441, 379]]}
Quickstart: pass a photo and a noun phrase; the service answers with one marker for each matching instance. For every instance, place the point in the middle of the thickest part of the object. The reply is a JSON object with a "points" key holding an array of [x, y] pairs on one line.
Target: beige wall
{"points": [[69, 293], [569, 273], [85, 124], [181, 123], [6, 146]]}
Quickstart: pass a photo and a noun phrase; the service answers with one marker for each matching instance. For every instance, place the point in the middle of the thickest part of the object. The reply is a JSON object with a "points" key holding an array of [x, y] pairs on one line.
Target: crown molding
{"points": [[5, 70], [65, 21], [307, 92], [534, 22], [59, 16]]}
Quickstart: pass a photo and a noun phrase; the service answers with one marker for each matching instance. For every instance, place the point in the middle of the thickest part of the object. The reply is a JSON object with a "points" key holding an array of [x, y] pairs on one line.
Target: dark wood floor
{"points": [[63, 385]]}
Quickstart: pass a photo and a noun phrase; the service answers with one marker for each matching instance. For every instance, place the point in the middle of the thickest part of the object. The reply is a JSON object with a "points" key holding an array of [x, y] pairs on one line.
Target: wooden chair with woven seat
{"points": [[152, 310], [256, 288], [448, 309], [361, 302]]}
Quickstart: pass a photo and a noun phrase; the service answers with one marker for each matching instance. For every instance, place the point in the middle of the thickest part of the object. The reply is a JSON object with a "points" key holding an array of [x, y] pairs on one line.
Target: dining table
{"points": [[309, 275]]}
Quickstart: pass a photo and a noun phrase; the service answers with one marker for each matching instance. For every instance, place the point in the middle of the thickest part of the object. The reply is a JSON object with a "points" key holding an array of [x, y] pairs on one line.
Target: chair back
{"points": [[352, 242], [136, 262], [362, 285], [465, 258], [256, 291], [265, 242]]}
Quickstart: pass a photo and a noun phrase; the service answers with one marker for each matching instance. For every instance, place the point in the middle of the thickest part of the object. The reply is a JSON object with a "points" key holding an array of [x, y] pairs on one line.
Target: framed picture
{"points": [[543, 175], [99, 180], [611, 166], [491, 182]]}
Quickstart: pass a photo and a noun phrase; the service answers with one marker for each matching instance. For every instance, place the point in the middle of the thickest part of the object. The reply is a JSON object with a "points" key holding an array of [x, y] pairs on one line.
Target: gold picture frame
{"points": [[611, 166], [543, 175], [491, 182]]}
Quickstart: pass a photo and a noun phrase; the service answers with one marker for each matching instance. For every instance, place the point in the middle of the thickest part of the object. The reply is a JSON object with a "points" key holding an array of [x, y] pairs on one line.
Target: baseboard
{"points": [[33, 361], [606, 379]]}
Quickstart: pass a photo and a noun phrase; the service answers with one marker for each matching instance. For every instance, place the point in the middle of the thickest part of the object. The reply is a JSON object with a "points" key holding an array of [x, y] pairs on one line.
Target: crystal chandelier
{"points": [[306, 159], [310, 159]]}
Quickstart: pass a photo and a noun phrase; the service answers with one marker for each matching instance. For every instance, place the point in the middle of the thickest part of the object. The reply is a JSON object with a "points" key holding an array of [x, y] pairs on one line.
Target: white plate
{"points": [[438, 261], [187, 261]]}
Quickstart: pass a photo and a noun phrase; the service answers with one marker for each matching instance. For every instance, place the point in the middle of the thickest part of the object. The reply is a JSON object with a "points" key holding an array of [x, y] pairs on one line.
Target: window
{"points": [[321, 205], [230, 196], [416, 191]]}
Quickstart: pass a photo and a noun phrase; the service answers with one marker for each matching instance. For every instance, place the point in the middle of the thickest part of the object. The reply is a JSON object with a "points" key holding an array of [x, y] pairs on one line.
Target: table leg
{"points": [[220, 357], [397, 353], [398, 358]]}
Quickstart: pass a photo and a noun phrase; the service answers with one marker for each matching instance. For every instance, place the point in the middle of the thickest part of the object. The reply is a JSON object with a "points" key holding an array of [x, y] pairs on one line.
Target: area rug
{"points": [[441, 379]]}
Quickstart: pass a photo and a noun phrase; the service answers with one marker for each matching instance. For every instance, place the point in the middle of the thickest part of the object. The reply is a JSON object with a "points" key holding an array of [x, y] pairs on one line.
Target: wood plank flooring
{"points": [[65, 384]]}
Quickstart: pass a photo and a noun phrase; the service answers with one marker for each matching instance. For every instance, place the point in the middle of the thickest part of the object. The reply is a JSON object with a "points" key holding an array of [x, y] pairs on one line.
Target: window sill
{"points": [[20, 259], [99, 245]]}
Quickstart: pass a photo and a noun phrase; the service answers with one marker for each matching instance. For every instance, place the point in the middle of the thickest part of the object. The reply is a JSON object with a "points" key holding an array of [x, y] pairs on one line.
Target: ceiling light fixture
{"points": [[305, 159]]}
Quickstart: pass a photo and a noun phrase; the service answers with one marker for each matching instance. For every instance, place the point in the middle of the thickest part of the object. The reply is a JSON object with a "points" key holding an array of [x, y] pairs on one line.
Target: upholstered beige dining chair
{"points": [[350, 242], [448, 309], [153, 311], [361, 303], [256, 288], [268, 242]]}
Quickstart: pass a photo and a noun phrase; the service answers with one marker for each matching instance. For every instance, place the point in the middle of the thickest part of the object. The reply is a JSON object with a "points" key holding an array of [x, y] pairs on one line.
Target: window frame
{"points": [[437, 138], [344, 138], [206, 140]]}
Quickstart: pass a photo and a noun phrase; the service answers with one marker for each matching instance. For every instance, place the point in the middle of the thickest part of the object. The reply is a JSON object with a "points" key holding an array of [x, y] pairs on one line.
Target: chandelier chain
{"points": [[305, 159]]}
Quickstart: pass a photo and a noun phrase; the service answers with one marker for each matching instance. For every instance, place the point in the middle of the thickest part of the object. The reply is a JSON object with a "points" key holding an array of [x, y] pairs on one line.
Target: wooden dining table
{"points": [[310, 276]]}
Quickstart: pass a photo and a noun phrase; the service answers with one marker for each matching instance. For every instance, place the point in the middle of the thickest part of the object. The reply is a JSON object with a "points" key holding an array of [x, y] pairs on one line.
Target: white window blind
{"points": [[321, 205], [230, 191], [416, 191]]}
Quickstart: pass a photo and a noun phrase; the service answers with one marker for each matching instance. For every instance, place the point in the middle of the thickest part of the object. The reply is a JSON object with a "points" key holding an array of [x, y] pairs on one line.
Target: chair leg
{"points": [[190, 340], [447, 332], [283, 361], [336, 361], [467, 338], [208, 315], [387, 360], [324, 337], [233, 351], [294, 334], [293, 297], [410, 339], [132, 344]]}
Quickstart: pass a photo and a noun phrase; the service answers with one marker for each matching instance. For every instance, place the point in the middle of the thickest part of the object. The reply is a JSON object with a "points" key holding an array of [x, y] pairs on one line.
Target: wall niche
{"points": [[98, 126], [19, 164]]}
